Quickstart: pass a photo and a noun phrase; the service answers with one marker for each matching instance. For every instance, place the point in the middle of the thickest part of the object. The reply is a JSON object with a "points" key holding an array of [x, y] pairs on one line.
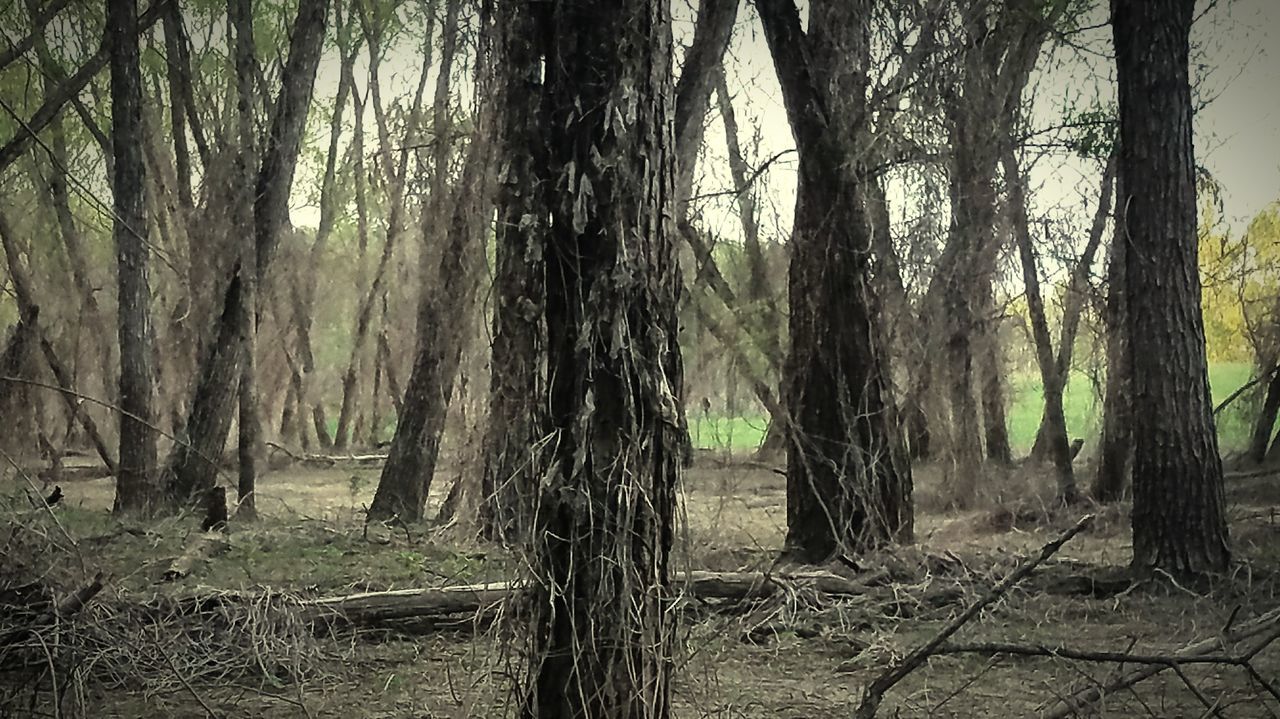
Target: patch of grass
{"points": [[735, 434], [1082, 405]]}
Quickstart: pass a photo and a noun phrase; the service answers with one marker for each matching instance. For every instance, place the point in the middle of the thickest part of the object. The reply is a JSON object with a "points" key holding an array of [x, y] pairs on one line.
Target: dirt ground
{"points": [[799, 656]]}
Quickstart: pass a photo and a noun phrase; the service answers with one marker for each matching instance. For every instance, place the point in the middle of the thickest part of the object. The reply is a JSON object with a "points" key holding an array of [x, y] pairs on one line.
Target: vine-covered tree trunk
{"points": [[848, 477], [191, 466], [513, 440], [136, 475], [1179, 524], [603, 631]]}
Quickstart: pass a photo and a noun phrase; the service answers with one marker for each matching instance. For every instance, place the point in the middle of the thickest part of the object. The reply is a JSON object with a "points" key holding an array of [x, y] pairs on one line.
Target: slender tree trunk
{"points": [[240, 18], [1264, 428], [848, 477], [191, 467], [1115, 448], [603, 633], [1179, 525], [1077, 294], [135, 480], [1051, 373], [995, 422]]}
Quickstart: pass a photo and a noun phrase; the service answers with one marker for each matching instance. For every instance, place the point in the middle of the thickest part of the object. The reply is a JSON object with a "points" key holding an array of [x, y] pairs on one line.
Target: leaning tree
{"points": [[1178, 522], [848, 477]]}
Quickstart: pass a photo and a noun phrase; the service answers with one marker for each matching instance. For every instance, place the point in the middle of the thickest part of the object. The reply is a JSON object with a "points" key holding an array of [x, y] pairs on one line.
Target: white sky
{"points": [[1236, 133]]}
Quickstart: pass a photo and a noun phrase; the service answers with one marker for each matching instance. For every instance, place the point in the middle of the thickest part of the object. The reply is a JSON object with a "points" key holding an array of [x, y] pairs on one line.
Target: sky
{"points": [[1236, 63]]}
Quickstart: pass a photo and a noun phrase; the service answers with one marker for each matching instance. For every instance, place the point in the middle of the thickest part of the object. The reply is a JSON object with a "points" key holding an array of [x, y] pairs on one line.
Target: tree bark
{"points": [[1178, 517], [603, 633], [191, 469], [1115, 450], [240, 19], [517, 421], [136, 476], [848, 477]]}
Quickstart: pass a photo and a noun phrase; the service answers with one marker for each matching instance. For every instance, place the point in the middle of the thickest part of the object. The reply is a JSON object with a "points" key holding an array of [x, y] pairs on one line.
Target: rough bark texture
{"points": [[513, 446], [191, 469], [135, 479], [603, 632], [848, 478], [1178, 519]]}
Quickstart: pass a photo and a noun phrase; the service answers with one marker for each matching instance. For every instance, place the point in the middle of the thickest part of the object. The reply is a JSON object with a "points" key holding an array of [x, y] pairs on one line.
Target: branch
{"points": [[1262, 377], [874, 693]]}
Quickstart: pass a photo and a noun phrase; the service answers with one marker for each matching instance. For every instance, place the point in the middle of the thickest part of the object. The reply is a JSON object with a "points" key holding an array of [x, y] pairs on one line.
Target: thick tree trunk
{"points": [[191, 467], [603, 633], [136, 477], [517, 423], [848, 477], [995, 423], [1052, 375], [1179, 524]]}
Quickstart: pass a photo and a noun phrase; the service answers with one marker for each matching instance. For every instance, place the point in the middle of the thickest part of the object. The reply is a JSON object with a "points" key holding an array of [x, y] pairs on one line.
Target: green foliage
{"points": [[1093, 131]]}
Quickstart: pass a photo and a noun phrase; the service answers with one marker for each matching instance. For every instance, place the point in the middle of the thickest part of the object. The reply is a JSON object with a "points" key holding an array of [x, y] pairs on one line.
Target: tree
{"points": [[512, 452], [848, 477], [1178, 519], [602, 627], [191, 466], [135, 479], [411, 463], [240, 19]]}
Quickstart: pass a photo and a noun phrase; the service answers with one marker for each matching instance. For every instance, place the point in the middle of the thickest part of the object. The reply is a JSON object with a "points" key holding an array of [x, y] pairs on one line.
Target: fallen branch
{"points": [[374, 608], [1262, 631], [875, 692]]}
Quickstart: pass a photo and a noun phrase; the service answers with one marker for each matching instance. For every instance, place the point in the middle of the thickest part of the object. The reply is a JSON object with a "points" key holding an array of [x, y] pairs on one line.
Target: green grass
{"points": [[1082, 404]]}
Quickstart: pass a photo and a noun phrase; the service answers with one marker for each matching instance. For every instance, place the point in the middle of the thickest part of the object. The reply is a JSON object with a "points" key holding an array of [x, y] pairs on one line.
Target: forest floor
{"points": [[800, 655]]}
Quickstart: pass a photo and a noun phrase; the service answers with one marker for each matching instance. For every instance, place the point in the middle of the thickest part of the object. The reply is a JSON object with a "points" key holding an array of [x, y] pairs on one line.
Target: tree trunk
{"points": [[1077, 294], [603, 633], [995, 422], [1264, 428], [1051, 373], [136, 478], [442, 315], [517, 422], [1115, 451], [1178, 517], [191, 467], [848, 477], [240, 19]]}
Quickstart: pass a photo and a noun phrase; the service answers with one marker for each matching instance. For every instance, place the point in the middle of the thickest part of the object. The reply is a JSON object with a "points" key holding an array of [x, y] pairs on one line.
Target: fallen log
{"points": [[374, 608]]}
